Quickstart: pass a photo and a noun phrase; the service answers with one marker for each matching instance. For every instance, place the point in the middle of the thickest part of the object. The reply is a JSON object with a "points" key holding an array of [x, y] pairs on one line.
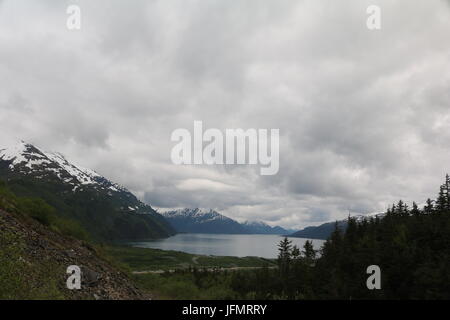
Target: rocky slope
{"points": [[43, 257]]}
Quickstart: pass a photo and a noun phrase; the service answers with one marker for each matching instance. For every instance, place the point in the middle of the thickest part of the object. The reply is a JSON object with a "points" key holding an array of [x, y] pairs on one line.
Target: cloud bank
{"points": [[363, 115]]}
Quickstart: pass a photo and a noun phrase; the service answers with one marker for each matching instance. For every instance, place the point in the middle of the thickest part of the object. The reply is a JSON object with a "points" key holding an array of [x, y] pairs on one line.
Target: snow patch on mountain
{"points": [[83, 175], [26, 158], [210, 221], [255, 223], [197, 213]]}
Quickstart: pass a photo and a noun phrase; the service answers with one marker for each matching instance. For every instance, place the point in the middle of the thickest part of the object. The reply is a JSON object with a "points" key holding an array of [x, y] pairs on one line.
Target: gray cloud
{"points": [[362, 114]]}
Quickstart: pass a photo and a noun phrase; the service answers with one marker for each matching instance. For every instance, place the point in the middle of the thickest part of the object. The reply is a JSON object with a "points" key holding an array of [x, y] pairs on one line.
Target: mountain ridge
{"points": [[105, 209], [26, 158], [324, 230], [35, 258], [200, 220]]}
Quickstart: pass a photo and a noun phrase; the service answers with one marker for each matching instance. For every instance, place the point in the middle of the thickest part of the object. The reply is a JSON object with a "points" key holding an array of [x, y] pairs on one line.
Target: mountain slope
{"points": [[106, 210], [324, 230], [34, 259], [259, 227], [202, 221], [321, 232], [210, 221]]}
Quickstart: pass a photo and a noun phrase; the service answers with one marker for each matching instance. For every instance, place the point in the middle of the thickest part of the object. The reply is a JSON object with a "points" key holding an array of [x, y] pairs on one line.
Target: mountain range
{"points": [[321, 232], [105, 209], [108, 211], [209, 221]]}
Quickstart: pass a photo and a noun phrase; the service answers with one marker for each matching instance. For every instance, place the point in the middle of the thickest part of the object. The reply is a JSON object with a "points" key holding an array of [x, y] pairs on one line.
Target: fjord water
{"points": [[238, 245]]}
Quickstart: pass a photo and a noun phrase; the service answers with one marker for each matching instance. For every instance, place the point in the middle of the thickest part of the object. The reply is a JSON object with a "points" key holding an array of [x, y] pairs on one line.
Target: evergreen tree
{"points": [[443, 201], [284, 256], [415, 210], [309, 253], [295, 253], [412, 247], [429, 207]]}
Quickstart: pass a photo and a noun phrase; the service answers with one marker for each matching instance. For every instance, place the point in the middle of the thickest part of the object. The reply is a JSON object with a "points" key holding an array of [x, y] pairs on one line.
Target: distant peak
{"points": [[255, 223], [196, 213]]}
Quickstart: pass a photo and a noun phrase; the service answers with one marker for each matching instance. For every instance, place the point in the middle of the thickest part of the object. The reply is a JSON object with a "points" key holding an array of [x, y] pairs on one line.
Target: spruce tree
{"points": [[308, 251], [415, 210], [284, 256], [443, 201], [429, 207]]}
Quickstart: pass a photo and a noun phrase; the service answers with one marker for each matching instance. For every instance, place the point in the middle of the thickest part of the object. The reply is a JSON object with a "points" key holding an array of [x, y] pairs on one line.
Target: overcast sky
{"points": [[363, 115]]}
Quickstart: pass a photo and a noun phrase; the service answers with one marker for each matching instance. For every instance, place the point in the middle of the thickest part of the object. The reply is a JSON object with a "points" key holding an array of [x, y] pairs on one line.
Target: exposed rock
{"points": [[89, 276], [100, 280]]}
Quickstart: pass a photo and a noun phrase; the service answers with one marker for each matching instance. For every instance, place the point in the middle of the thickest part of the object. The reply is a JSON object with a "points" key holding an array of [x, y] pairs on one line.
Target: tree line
{"points": [[411, 245]]}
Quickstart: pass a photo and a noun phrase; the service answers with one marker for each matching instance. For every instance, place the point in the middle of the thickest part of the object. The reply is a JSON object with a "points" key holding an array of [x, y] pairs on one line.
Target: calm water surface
{"points": [[239, 245]]}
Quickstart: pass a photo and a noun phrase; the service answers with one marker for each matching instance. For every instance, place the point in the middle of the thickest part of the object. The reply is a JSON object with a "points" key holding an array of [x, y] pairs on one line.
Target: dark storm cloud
{"points": [[362, 114]]}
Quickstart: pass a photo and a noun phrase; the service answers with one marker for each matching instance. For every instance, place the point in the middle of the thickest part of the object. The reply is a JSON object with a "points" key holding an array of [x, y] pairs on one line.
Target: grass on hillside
{"points": [[21, 277], [145, 259], [192, 276]]}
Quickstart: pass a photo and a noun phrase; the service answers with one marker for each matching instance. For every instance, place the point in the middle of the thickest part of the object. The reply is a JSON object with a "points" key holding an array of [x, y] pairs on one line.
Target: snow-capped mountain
{"points": [[260, 227], [197, 214], [202, 221], [209, 221], [27, 159], [104, 208]]}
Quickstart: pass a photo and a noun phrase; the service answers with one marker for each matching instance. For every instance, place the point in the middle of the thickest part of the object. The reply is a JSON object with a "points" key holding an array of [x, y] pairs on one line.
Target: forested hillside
{"points": [[321, 232], [411, 245]]}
